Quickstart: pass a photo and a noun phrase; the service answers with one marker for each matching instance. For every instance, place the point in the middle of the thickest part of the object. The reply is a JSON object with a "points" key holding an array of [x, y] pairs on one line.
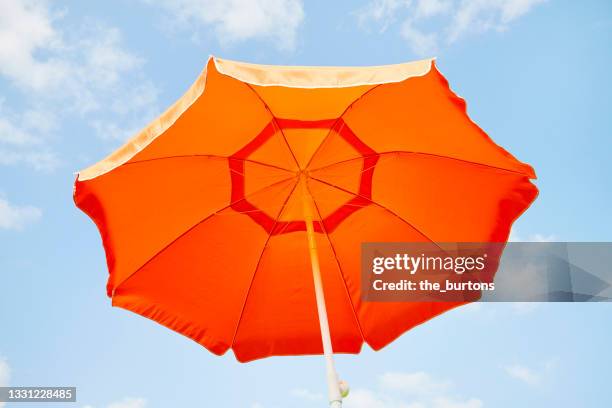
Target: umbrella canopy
{"points": [[204, 215]]}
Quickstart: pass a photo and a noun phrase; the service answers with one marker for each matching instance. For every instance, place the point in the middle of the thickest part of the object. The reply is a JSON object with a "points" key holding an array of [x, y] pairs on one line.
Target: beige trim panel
{"points": [[320, 77], [148, 134]]}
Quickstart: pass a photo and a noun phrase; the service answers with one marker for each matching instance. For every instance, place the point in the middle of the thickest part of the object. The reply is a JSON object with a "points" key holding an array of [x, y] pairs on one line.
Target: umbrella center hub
{"points": [[322, 161]]}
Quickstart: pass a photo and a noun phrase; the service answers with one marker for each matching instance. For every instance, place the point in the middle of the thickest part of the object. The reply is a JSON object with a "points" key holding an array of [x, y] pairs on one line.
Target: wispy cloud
{"points": [[418, 383], [523, 308], [452, 19], [41, 55], [15, 217], [126, 403], [451, 403], [364, 398], [523, 373], [516, 237], [129, 403], [382, 12], [5, 375], [409, 390], [23, 138], [307, 395], [530, 375], [62, 71], [38, 160], [240, 20]]}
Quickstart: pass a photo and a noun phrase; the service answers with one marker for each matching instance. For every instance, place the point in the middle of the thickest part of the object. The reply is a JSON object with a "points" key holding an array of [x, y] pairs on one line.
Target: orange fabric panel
{"points": [[227, 116], [422, 114], [380, 322], [334, 149], [293, 208], [257, 176], [281, 310], [447, 199], [304, 143], [198, 290], [274, 151], [331, 200], [141, 207]]}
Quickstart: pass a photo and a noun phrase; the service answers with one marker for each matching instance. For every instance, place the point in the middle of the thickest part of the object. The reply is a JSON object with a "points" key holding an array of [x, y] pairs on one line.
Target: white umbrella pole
{"points": [[333, 384]]}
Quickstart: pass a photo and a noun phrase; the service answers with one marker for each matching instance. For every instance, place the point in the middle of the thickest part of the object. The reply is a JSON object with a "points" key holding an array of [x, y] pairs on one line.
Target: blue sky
{"points": [[78, 78]]}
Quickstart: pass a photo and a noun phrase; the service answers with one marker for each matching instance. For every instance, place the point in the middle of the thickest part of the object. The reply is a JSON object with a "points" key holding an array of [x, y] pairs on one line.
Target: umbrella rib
{"points": [[274, 121], [348, 294], [263, 250], [338, 120], [375, 203], [207, 156], [432, 155], [209, 216]]}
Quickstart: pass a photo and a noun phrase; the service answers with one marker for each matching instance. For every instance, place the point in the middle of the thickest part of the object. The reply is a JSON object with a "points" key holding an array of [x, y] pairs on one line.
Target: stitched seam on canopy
{"points": [[209, 156], [216, 212], [432, 155], [258, 263], [273, 119], [375, 203], [229, 159], [349, 106], [348, 294]]}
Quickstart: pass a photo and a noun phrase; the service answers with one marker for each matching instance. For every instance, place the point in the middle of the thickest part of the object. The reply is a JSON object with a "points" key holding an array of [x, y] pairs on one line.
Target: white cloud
{"points": [[22, 138], [455, 19], [452, 403], [136, 106], [445, 402], [11, 134], [420, 42], [43, 161], [532, 376], [129, 403], [407, 390], [543, 238], [60, 71], [472, 307], [429, 8], [418, 383], [524, 308], [306, 394], [514, 9], [523, 373], [39, 56], [362, 398], [381, 11], [126, 403], [25, 28], [239, 20], [256, 405], [14, 217], [5, 375], [5, 372], [516, 237], [484, 15]]}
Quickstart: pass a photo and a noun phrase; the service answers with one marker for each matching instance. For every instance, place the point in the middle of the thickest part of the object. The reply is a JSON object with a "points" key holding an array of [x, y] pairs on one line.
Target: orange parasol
{"points": [[236, 217]]}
